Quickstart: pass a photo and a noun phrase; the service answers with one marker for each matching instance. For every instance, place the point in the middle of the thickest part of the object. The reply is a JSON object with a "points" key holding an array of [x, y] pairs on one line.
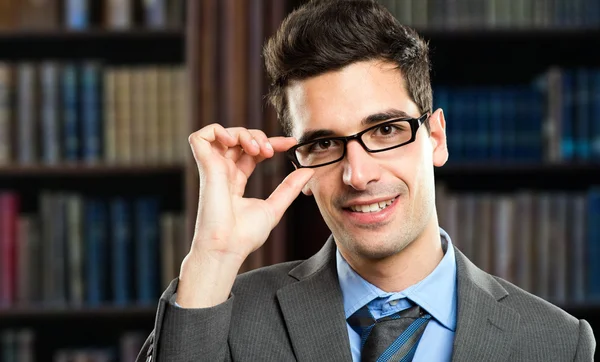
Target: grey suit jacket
{"points": [[294, 312]]}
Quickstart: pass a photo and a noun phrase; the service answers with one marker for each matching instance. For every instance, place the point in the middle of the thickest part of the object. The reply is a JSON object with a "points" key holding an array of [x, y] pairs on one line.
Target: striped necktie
{"points": [[391, 338]]}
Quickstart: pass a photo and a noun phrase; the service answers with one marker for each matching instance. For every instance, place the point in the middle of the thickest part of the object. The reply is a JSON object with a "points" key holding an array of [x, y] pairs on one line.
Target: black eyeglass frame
{"points": [[415, 123]]}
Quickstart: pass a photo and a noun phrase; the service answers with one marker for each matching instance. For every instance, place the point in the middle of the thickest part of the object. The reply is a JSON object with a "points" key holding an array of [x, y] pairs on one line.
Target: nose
{"points": [[359, 167]]}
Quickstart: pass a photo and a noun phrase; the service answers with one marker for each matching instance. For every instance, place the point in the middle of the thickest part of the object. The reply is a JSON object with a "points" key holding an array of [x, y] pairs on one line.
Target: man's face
{"points": [[400, 180]]}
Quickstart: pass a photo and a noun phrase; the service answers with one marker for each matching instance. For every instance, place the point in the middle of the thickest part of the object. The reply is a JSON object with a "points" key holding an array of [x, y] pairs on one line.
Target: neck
{"points": [[408, 267]]}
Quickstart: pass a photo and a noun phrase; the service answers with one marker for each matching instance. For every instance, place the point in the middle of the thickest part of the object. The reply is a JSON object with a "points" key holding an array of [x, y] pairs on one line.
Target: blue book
{"points": [[520, 124], [495, 125], [582, 115], [90, 112], [509, 114], [462, 115], [567, 142], [122, 251], [530, 125], [595, 120], [537, 118], [70, 113], [77, 16], [156, 13], [96, 242], [593, 249], [481, 121], [147, 223]]}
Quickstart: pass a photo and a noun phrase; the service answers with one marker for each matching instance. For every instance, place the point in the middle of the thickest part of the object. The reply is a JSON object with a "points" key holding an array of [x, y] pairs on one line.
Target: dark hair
{"points": [[327, 35]]}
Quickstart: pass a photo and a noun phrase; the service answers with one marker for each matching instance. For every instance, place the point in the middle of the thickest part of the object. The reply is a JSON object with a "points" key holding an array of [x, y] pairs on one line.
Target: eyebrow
{"points": [[367, 121]]}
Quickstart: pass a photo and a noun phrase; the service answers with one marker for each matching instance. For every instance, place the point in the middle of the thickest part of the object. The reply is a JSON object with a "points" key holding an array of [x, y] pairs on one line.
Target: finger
{"points": [[234, 153], [286, 192], [247, 163], [209, 138], [266, 149], [281, 144]]}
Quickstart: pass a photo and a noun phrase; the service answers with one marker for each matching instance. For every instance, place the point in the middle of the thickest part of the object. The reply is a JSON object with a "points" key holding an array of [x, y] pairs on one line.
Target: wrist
{"points": [[206, 281]]}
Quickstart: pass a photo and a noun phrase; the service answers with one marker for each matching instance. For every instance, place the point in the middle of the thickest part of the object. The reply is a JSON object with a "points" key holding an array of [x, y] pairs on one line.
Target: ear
{"points": [[437, 135]]}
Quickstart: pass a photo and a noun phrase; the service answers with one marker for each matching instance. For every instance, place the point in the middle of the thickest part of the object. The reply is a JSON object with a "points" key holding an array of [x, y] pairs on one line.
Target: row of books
{"points": [[489, 14], [492, 123], [553, 119], [54, 112], [18, 345], [86, 14], [85, 251], [548, 243]]}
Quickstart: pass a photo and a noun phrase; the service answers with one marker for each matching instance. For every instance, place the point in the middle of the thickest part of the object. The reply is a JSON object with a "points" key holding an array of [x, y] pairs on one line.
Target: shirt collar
{"points": [[436, 293]]}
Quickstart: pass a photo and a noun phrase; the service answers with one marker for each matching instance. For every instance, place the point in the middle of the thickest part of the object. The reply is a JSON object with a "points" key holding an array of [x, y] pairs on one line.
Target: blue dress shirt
{"points": [[436, 294]]}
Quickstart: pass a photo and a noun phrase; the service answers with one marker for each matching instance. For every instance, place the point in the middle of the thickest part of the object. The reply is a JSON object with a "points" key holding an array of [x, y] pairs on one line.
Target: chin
{"points": [[376, 251]]}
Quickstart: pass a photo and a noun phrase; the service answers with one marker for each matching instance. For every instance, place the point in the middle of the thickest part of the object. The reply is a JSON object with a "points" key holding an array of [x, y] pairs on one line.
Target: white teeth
{"points": [[372, 207]]}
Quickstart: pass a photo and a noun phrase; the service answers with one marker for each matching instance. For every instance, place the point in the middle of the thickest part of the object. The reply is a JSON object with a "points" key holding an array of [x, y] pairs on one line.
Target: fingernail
{"points": [[268, 145], [255, 143]]}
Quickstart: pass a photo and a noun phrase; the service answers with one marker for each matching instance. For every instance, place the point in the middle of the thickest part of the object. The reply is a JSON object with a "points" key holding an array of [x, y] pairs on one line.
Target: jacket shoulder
{"points": [[542, 323], [532, 307], [264, 281]]}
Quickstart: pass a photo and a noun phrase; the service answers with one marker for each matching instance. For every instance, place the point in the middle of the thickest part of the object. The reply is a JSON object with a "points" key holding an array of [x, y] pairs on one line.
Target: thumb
{"points": [[287, 191]]}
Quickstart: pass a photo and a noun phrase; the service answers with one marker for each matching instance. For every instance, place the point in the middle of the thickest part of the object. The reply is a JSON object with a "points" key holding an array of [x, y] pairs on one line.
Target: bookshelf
{"points": [[101, 215]]}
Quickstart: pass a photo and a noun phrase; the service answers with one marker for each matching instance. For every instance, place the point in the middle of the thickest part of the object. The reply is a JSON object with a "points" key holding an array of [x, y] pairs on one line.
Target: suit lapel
{"points": [[313, 309], [485, 328]]}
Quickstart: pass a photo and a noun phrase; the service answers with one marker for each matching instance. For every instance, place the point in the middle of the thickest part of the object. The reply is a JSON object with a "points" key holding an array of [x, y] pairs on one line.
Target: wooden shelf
{"points": [[137, 46], [91, 34], [515, 176], [529, 168], [113, 312], [85, 170], [511, 33], [507, 56]]}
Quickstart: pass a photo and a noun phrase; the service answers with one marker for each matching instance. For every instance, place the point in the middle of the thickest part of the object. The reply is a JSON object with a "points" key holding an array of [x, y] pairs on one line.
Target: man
{"points": [[352, 87]]}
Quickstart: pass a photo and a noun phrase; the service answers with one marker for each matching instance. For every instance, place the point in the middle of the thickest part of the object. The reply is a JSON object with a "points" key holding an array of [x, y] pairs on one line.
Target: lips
{"points": [[374, 207]]}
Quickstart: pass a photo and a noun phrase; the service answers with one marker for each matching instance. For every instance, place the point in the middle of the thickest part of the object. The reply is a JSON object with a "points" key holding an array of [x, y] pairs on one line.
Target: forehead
{"points": [[339, 100]]}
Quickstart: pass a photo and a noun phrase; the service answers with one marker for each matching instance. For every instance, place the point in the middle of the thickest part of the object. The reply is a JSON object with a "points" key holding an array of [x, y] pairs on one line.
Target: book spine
{"points": [[77, 15], [70, 113], [155, 13], [120, 214], [49, 113], [119, 14], [95, 215], [593, 271], [27, 116], [9, 209], [5, 113], [90, 112], [75, 245], [147, 244]]}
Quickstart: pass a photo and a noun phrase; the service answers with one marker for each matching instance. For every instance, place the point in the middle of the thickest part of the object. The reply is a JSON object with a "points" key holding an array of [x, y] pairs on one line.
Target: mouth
{"points": [[374, 207]]}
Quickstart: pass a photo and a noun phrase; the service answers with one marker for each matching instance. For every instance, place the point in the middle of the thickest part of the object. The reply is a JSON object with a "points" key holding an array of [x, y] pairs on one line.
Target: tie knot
{"points": [[394, 337], [362, 321]]}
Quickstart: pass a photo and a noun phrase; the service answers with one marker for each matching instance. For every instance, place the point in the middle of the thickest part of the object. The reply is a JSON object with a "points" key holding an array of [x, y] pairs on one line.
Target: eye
{"points": [[386, 129], [323, 144]]}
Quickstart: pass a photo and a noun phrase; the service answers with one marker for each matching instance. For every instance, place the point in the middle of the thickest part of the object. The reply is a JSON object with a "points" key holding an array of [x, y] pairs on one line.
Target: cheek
{"points": [[322, 185]]}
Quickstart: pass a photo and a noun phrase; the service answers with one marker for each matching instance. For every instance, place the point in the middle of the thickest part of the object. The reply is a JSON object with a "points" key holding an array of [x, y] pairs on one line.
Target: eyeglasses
{"points": [[384, 136]]}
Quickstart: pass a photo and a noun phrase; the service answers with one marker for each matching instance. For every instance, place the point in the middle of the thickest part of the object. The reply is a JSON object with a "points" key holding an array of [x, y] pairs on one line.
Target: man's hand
{"points": [[228, 226]]}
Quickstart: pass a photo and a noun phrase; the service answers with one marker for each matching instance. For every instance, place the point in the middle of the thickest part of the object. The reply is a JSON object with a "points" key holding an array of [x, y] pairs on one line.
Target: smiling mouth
{"points": [[375, 207]]}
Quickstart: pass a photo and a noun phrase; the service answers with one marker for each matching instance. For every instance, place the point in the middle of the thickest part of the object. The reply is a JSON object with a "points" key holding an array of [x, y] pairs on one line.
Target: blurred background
{"points": [[98, 187]]}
